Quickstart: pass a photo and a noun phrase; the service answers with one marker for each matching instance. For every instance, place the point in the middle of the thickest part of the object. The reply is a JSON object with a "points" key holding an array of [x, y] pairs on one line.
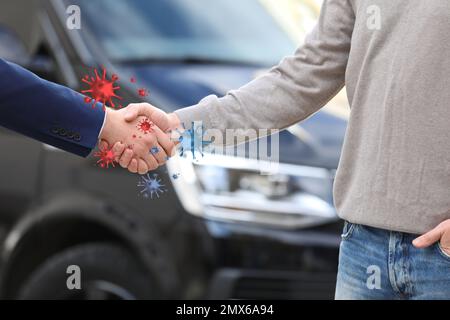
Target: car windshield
{"points": [[241, 31]]}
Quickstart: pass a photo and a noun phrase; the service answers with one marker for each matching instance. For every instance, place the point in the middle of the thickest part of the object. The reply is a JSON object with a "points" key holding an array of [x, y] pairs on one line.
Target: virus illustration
{"points": [[101, 89], [192, 140], [143, 92], [106, 157], [145, 125], [152, 186], [154, 150], [175, 176], [133, 80]]}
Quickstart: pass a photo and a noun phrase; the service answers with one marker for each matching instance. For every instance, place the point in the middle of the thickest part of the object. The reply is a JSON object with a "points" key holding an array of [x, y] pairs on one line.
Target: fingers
{"points": [[118, 150], [102, 145], [159, 154], [151, 151], [165, 142], [157, 116], [133, 167], [135, 110], [142, 167], [126, 158], [151, 161], [141, 159], [429, 238]]}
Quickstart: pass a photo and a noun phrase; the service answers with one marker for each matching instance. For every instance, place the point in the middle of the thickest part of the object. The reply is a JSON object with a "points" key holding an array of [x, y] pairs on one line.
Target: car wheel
{"points": [[107, 272]]}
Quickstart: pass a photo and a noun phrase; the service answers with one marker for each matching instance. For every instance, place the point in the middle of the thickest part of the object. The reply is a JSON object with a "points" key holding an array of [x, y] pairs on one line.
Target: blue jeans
{"points": [[381, 264]]}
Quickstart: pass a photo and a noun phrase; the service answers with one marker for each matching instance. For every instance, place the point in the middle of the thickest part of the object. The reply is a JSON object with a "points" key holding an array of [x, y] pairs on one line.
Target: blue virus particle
{"points": [[175, 176], [193, 140], [154, 150], [151, 185]]}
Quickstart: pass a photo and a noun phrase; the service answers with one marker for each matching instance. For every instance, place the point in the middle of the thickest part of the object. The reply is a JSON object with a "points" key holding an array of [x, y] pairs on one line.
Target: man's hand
{"points": [[133, 147], [163, 123], [441, 233]]}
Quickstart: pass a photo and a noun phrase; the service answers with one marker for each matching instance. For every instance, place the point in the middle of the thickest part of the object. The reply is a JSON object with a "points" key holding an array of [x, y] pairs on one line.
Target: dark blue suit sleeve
{"points": [[47, 112]]}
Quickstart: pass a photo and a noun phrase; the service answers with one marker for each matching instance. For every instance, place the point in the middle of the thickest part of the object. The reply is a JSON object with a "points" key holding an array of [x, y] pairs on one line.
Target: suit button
{"points": [[70, 135], [55, 130], [77, 137], [63, 132]]}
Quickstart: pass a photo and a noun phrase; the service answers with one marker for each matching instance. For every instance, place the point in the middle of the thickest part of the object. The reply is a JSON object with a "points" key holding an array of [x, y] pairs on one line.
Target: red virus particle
{"points": [[106, 157], [145, 125], [133, 80], [101, 89], [143, 92]]}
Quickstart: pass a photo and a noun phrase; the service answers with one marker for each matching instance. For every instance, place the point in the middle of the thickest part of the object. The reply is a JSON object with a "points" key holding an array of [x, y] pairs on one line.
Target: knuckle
{"points": [[162, 159], [153, 164], [150, 162], [151, 139]]}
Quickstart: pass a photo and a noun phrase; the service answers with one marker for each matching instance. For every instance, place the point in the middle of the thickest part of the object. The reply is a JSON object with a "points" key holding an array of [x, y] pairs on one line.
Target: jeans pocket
{"points": [[442, 252], [348, 230]]}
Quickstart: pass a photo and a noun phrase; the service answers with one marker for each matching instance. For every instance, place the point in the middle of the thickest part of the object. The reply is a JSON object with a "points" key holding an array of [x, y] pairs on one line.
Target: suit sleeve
{"points": [[47, 112], [292, 91]]}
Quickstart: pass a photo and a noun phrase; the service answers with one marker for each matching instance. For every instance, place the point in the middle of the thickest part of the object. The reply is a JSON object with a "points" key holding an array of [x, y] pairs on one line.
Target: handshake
{"points": [[139, 136]]}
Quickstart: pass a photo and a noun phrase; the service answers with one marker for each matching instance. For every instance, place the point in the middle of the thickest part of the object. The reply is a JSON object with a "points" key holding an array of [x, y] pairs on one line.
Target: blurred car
{"points": [[219, 229]]}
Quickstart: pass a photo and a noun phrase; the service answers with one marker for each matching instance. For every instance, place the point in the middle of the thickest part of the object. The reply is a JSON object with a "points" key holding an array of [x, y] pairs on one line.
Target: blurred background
{"points": [[218, 229]]}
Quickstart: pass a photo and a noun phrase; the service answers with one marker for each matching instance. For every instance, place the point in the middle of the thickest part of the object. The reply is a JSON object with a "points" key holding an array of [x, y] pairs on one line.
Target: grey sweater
{"points": [[394, 58]]}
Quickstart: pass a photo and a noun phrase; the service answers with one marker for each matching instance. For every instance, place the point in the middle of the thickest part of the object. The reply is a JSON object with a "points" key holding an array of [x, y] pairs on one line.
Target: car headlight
{"points": [[233, 189]]}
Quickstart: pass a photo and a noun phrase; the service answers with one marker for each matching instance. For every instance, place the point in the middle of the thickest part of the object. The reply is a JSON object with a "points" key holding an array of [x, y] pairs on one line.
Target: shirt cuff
{"points": [[103, 125]]}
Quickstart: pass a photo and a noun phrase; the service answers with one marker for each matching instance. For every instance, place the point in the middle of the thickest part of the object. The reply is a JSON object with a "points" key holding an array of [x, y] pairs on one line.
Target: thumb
{"points": [[103, 145], [428, 238], [135, 110]]}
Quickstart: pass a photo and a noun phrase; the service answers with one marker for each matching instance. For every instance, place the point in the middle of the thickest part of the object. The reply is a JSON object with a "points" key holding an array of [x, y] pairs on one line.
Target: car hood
{"points": [[316, 141]]}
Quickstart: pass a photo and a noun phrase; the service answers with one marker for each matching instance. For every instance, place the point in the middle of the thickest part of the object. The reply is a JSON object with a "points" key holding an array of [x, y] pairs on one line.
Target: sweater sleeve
{"points": [[292, 91]]}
